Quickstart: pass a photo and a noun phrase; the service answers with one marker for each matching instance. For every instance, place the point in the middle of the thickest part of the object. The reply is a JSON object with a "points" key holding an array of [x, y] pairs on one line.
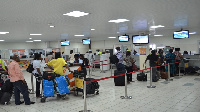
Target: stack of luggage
{"points": [[54, 83]]}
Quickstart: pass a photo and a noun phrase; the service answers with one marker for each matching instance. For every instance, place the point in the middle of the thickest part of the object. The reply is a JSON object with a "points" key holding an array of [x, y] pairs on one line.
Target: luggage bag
{"points": [[164, 75], [119, 81], [142, 76]]}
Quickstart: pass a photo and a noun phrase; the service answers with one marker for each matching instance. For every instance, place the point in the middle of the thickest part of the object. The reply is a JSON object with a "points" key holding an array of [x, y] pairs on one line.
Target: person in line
{"points": [[161, 62], [154, 59], [3, 66], [120, 65], [171, 58], [129, 60], [63, 55], [57, 64], [179, 57], [38, 71], [50, 56], [19, 83]]}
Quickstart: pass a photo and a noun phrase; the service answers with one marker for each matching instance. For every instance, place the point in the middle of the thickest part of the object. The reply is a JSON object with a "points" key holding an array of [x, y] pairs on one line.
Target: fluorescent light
{"points": [[36, 40], [30, 38], [193, 33], [158, 35], [79, 35], [4, 32], [118, 32], [92, 29], [111, 37], [35, 34], [119, 20], [157, 26], [51, 26], [29, 41], [76, 14], [2, 40]]}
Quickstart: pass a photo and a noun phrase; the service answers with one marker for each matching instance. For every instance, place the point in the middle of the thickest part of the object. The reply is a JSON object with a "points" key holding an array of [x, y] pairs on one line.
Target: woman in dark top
{"points": [[84, 64]]}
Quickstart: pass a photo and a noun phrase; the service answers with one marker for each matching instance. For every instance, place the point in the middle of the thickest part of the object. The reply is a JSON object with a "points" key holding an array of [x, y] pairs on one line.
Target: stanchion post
{"points": [[111, 69], [151, 73], [126, 96], [32, 90], [169, 78], [84, 95]]}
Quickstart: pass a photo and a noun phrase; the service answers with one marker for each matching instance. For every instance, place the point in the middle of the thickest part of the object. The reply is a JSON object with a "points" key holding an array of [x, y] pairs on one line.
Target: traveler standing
{"points": [[57, 64], [171, 58], [154, 59], [20, 85], [120, 65], [38, 72], [129, 60]]}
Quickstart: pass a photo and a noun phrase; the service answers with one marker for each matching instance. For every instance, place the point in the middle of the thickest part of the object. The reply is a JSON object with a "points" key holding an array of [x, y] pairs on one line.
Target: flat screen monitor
{"points": [[65, 43], [86, 41], [181, 34], [140, 39], [124, 38]]}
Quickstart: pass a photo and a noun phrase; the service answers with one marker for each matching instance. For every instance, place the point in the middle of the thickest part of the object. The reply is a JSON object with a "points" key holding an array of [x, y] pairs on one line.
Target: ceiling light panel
{"points": [[4, 32], [118, 20], [193, 33], [76, 14], [2, 40], [37, 40], [51, 26], [111, 37], [92, 29], [29, 41], [79, 35], [157, 26], [158, 35], [35, 34], [30, 38]]}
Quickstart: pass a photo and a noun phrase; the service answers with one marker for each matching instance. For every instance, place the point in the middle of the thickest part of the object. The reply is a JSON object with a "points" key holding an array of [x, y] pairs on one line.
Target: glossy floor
{"points": [[180, 95]]}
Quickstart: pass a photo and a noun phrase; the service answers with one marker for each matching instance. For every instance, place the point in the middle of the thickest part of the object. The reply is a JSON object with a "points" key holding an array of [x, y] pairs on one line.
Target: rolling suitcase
{"points": [[119, 81], [142, 76], [164, 75]]}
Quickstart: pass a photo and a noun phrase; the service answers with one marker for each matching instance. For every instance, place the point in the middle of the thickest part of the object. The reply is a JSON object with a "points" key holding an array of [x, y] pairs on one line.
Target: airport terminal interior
{"points": [[102, 31]]}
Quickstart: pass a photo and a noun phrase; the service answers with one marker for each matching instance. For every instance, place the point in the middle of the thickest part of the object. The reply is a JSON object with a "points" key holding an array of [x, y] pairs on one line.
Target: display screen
{"points": [[181, 34], [86, 41], [143, 39], [65, 43], [124, 38]]}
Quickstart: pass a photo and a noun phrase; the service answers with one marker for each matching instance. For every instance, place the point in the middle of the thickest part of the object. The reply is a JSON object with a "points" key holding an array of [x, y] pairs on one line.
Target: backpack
{"points": [[114, 59], [30, 68]]}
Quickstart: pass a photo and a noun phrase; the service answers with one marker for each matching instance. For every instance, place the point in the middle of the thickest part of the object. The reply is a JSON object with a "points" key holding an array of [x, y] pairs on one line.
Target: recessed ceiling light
{"points": [[119, 20], [79, 35], [4, 32], [30, 38], [92, 29], [111, 37], [193, 33], [29, 41], [2, 40], [76, 14], [35, 34], [157, 26], [51, 26], [158, 35], [36, 40], [118, 32]]}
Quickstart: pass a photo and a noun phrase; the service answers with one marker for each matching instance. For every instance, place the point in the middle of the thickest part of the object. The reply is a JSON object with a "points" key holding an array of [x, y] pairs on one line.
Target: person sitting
{"points": [[19, 83]]}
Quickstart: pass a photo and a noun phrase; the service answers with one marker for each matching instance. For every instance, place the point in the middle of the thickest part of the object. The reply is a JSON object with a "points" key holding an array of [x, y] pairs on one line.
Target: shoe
{"points": [[30, 103], [21, 102]]}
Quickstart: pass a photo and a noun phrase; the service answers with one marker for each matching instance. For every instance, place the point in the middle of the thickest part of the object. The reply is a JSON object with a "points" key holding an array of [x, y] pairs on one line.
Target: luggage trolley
{"points": [[54, 84], [91, 88]]}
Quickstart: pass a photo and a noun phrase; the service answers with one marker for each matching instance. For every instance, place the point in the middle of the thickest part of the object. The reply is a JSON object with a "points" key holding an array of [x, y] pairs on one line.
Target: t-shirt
{"points": [[37, 64], [57, 64], [153, 59]]}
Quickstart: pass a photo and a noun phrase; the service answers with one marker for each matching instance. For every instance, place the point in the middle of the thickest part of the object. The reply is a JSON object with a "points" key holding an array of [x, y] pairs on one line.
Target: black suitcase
{"points": [[142, 77], [119, 81], [5, 99], [91, 86]]}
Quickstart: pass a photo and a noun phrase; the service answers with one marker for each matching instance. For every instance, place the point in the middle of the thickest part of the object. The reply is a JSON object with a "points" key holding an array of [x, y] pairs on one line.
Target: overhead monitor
{"points": [[140, 39], [181, 34]]}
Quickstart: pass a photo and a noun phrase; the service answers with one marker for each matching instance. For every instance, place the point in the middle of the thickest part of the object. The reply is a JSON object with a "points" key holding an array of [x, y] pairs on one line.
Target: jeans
{"points": [[19, 86], [129, 76]]}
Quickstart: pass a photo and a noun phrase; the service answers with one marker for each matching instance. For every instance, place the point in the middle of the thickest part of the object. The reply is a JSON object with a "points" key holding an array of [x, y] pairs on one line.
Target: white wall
{"points": [[190, 44]]}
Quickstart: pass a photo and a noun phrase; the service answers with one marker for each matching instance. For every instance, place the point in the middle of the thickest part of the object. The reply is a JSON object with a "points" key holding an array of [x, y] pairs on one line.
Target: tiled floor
{"points": [[180, 95]]}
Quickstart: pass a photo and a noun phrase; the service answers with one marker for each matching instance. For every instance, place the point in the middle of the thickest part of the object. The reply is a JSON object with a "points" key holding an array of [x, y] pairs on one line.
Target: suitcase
{"points": [[5, 99], [142, 76], [164, 75], [119, 81], [62, 85], [91, 86]]}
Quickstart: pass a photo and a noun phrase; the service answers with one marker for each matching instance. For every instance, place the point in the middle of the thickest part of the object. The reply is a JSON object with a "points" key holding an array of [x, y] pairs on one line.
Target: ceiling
{"points": [[22, 17]]}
